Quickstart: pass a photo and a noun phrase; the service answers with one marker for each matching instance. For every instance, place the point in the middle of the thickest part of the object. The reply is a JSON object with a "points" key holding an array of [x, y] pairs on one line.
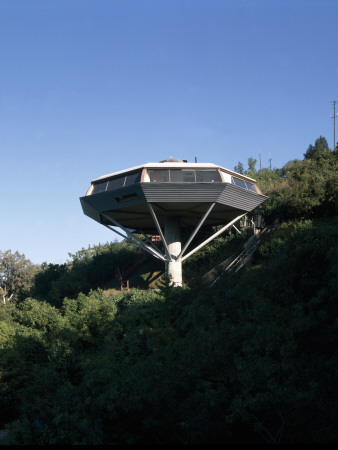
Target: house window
{"points": [[183, 176], [243, 184], [99, 187], [125, 198], [117, 182]]}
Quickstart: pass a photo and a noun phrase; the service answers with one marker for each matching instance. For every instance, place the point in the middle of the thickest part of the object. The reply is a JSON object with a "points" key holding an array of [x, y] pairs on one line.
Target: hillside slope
{"points": [[251, 359]]}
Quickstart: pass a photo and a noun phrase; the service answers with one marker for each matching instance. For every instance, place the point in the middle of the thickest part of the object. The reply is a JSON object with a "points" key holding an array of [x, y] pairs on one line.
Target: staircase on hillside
{"points": [[241, 259], [126, 273], [231, 265]]}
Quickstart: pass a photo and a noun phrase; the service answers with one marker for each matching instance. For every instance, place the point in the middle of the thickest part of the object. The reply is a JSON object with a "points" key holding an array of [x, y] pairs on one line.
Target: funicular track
{"points": [[239, 260]]}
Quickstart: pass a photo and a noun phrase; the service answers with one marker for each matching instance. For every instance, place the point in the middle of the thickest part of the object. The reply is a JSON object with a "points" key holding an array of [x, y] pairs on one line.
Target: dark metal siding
{"points": [[224, 193], [182, 192], [106, 201], [184, 198], [93, 205], [240, 198], [89, 210]]}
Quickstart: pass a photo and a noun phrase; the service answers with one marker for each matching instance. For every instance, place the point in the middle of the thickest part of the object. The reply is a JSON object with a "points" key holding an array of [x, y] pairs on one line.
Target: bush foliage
{"points": [[252, 359]]}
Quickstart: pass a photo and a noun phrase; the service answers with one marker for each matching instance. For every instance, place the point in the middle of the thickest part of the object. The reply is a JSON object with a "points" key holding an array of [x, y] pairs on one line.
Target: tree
{"points": [[16, 275], [239, 168], [303, 188], [251, 171], [251, 167], [316, 151]]}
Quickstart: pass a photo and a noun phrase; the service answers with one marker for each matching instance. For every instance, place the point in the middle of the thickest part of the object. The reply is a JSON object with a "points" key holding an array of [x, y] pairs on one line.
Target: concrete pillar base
{"points": [[173, 238]]}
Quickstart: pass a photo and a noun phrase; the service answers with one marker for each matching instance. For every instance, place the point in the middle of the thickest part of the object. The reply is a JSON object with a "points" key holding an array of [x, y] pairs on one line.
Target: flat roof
{"points": [[173, 165]]}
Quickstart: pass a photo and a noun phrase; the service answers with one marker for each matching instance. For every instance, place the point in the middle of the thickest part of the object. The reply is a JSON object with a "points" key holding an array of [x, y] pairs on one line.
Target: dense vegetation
{"points": [[251, 360]]}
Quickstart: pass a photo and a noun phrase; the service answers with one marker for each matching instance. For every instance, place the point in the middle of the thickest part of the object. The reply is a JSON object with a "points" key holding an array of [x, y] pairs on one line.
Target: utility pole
{"points": [[334, 123]]}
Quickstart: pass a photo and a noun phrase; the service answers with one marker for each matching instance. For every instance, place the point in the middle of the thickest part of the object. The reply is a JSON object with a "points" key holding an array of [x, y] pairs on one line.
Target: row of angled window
{"points": [[116, 183], [243, 184], [183, 176], [168, 176]]}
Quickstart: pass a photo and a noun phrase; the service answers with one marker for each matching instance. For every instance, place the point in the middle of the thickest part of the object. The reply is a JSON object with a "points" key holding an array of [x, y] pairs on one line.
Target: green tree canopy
{"points": [[303, 188], [16, 275], [316, 151], [249, 359], [251, 170], [239, 168]]}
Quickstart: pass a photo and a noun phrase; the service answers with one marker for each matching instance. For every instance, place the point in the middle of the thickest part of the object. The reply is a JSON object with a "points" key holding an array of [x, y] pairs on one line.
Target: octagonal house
{"points": [[171, 199]]}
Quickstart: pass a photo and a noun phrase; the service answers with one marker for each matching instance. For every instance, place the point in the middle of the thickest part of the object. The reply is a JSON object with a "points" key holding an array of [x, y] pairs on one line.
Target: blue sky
{"points": [[90, 87]]}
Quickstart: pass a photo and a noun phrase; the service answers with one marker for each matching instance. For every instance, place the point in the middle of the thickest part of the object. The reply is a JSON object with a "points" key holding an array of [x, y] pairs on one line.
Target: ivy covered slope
{"points": [[252, 359]]}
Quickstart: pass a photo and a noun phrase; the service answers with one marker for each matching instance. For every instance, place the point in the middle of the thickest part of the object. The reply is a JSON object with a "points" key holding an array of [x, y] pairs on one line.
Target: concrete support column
{"points": [[172, 233]]}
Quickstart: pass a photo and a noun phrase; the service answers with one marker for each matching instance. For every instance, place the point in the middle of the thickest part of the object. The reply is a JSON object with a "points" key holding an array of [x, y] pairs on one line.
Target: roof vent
{"points": [[171, 160]]}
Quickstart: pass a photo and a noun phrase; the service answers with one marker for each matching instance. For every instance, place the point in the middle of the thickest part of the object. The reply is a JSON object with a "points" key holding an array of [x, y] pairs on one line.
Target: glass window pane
{"points": [[188, 176], [207, 176], [238, 182], [159, 176], [99, 187], [133, 178], [125, 198], [250, 187], [176, 176], [115, 183]]}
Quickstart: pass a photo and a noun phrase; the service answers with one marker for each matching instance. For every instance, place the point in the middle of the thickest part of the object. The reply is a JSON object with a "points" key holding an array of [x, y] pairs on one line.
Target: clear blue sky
{"points": [[90, 87]]}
